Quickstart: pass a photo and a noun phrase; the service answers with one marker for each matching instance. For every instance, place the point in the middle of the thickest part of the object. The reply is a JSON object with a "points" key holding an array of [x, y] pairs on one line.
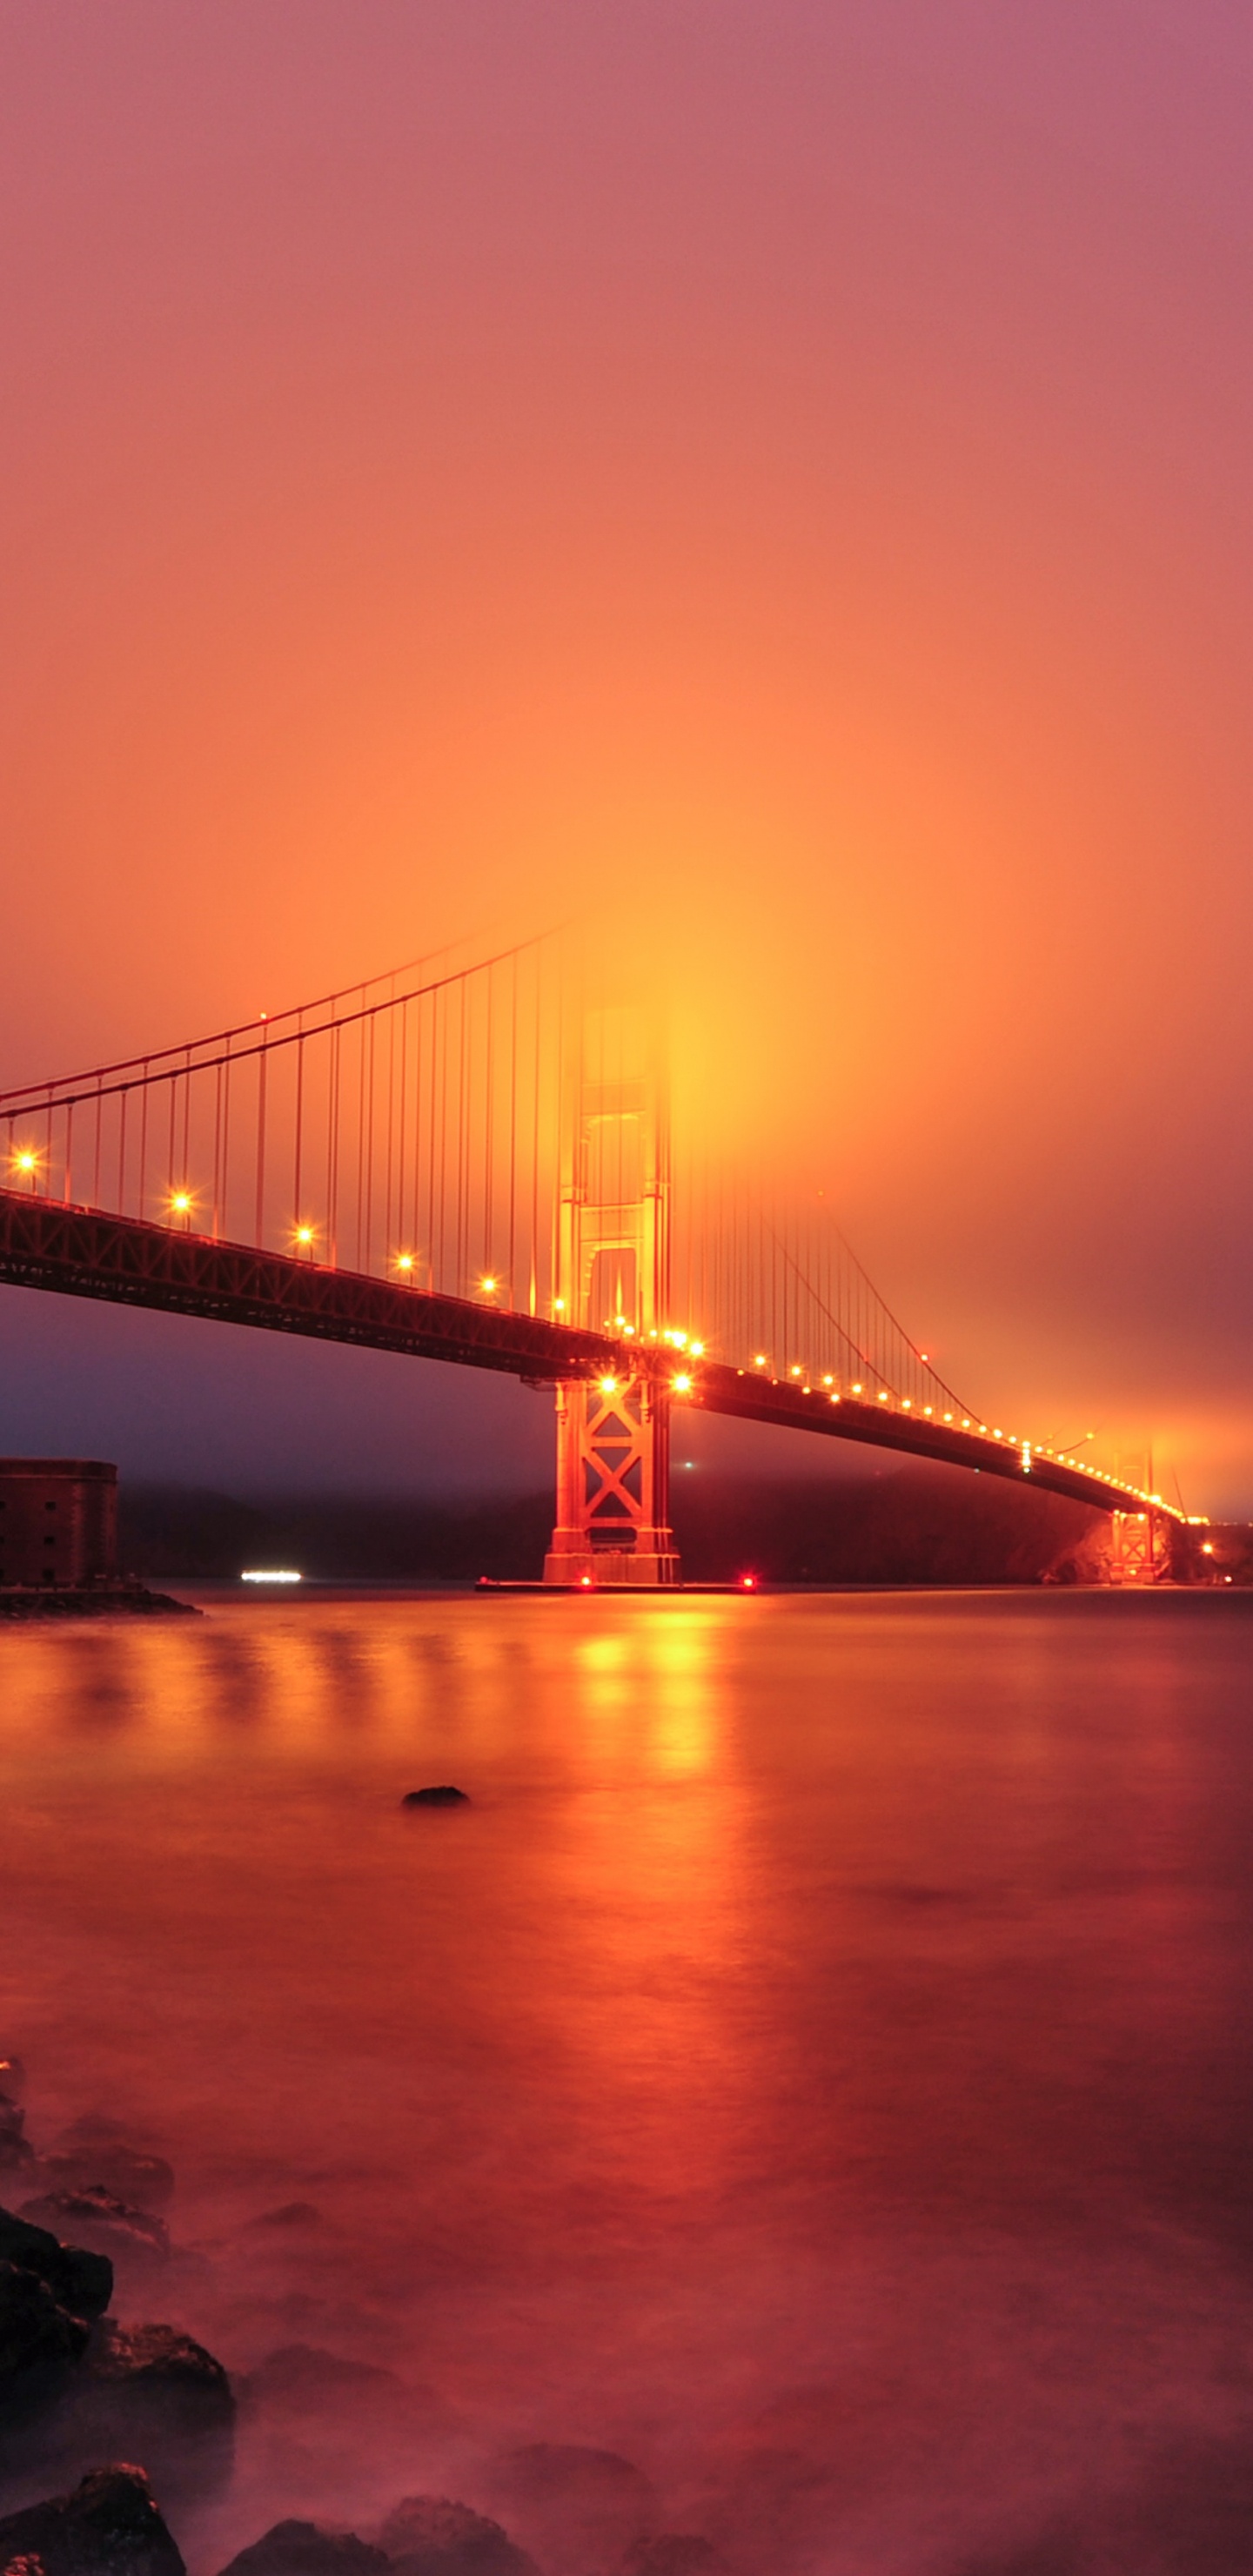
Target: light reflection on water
{"points": [[817, 2065]]}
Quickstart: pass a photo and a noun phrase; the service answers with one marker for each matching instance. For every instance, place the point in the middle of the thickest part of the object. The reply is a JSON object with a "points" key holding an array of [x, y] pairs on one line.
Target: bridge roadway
{"points": [[81, 1252]]}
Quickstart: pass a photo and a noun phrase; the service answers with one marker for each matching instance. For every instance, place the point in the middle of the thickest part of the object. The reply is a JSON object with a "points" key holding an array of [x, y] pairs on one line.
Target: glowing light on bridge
{"points": [[404, 1261], [682, 1384], [609, 1386]]}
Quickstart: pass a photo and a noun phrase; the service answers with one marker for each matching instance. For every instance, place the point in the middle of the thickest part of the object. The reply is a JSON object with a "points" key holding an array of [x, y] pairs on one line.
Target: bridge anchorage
{"points": [[473, 1163]]}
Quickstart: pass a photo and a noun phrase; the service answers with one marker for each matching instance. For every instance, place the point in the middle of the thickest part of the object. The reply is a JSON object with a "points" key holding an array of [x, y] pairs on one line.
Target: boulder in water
{"points": [[109, 2526], [79, 2280], [97, 2218], [674, 2553], [94, 2154], [39, 2339], [155, 2370], [574, 2506], [302, 2380], [433, 2536], [307, 2549], [444, 1795], [15, 2150], [147, 2392]]}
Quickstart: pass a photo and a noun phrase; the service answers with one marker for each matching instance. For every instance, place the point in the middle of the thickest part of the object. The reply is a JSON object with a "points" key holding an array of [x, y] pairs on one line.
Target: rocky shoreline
{"points": [[121, 2422], [93, 1601]]}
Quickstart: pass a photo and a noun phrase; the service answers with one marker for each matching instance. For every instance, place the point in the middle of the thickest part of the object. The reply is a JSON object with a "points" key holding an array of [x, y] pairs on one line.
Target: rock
{"points": [[78, 2279], [307, 2549], [300, 2379], [147, 2392], [12, 2076], [576, 2507], [443, 1796], [431, 2536], [109, 2526], [16, 2152], [39, 2339], [12, 2116], [92, 2155], [156, 2370], [97, 2218], [674, 2553]]}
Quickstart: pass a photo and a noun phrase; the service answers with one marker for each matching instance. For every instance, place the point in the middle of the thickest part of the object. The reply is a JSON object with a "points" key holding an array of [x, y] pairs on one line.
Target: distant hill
{"points": [[912, 1524]]}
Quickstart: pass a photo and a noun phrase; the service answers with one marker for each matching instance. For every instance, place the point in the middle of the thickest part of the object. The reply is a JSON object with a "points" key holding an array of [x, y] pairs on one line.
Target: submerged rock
{"points": [[432, 2536], [79, 2279], [109, 2526], [301, 2379], [93, 2155], [290, 2213], [674, 2553], [97, 2218], [578, 2508], [307, 2549], [443, 1796]]}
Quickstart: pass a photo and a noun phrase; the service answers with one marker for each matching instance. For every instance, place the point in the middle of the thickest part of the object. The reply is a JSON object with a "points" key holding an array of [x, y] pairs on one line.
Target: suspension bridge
{"points": [[473, 1162]]}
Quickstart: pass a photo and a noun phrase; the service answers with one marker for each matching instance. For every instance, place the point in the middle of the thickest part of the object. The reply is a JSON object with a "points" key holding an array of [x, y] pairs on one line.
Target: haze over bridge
{"points": [[473, 1163]]}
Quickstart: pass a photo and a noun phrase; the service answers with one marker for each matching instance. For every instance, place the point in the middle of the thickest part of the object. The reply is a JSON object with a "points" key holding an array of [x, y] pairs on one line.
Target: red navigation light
{"points": [[748, 1583], [585, 1581]]}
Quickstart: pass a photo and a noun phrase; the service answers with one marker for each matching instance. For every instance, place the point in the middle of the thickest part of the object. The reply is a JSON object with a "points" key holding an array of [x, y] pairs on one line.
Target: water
{"points": [[817, 2065]]}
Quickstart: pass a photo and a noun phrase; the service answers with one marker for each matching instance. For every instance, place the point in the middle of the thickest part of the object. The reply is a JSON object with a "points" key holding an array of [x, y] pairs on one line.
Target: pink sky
{"points": [[786, 467]]}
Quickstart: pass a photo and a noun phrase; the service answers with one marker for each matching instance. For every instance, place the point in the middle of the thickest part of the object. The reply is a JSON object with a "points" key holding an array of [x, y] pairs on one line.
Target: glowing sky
{"points": [[786, 468]]}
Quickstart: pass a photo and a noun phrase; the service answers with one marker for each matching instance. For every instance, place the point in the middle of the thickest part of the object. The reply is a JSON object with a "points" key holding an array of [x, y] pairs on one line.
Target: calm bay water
{"points": [[817, 2066]]}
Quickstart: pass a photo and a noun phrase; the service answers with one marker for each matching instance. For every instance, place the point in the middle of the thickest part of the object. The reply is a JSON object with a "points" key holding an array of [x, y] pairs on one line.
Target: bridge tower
{"points": [[1139, 1548], [612, 1272]]}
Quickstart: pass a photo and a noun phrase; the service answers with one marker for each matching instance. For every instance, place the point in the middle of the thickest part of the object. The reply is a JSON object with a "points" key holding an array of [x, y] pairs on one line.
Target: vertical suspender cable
{"points": [[143, 1142]]}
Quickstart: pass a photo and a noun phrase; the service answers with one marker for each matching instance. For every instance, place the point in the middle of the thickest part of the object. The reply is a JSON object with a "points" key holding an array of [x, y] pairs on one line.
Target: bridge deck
{"points": [[81, 1252]]}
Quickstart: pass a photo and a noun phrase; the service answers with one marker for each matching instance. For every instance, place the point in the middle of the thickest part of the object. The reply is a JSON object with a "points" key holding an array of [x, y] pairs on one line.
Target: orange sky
{"points": [[786, 469]]}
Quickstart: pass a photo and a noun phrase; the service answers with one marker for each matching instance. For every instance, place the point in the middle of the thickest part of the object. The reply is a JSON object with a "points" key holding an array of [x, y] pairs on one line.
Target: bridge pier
{"points": [[1139, 1549], [613, 1477], [613, 1275]]}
